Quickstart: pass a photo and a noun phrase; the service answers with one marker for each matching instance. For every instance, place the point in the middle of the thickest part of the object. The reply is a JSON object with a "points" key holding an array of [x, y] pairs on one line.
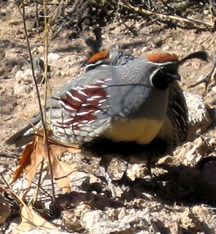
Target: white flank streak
{"points": [[68, 120], [175, 112], [56, 124], [82, 113], [97, 111], [91, 121], [177, 122], [75, 98], [103, 100], [176, 103], [108, 79], [61, 102], [69, 108], [92, 86], [81, 92], [79, 88], [85, 121], [66, 106], [100, 81], [60, 124], [93, 98], [85, 105]]}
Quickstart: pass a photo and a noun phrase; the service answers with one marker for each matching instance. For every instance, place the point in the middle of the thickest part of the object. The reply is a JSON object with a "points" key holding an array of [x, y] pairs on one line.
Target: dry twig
{"points": [[207, 79], [191, 23]]}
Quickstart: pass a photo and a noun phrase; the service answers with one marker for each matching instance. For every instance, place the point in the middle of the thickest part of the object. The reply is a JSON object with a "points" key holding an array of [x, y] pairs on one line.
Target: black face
{"points": [[165, 74]]}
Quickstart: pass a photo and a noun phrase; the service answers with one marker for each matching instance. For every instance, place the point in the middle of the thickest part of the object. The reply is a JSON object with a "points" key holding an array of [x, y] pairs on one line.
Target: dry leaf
{"points": [[31, 221], [24, 161], [36, 151], [61, 173]]}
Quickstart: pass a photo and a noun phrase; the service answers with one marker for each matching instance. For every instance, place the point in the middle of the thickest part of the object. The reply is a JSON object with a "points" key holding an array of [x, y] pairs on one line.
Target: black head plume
{"points": [[202, 55]]}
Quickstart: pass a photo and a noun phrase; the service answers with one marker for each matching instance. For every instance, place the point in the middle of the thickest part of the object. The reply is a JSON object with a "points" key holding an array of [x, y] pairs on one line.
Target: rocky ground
{"points": [[181, 194]]}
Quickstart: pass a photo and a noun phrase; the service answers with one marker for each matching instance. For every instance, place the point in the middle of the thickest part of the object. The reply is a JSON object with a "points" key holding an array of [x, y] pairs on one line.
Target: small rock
{"points": [[199, 148], [19, 76], [199, 117], [189, 222], [214, 89], [21, 90], [2, 71], [53, 56], [136, 171], [24, 77], [90, 218], [3, 12]]}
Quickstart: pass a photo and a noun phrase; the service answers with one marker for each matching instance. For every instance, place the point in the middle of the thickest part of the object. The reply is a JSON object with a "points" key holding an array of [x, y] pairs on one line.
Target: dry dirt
{"points": [[180, 197]]}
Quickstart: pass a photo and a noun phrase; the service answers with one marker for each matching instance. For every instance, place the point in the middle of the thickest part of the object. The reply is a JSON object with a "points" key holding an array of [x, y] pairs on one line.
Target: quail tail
{"points": [[25, 135]]}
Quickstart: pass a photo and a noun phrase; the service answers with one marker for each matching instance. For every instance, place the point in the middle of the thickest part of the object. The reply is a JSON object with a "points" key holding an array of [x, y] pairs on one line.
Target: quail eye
{"points": [[164, 69]]}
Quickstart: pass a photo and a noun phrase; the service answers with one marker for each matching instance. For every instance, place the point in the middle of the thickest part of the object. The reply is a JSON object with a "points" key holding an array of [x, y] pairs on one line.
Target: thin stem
{"points": [[38, 95]]}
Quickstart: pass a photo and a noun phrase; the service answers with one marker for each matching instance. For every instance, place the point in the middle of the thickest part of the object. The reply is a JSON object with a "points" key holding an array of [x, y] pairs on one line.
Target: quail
{"points": [[120, 106]]}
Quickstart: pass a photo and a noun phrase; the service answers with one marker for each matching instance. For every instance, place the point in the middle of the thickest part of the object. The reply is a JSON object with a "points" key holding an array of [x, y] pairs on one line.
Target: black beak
{"points": [[176, 77]]}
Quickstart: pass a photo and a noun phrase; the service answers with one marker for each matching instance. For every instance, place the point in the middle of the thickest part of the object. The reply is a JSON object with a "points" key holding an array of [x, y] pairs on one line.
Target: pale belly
{"points": [[141, 131]]}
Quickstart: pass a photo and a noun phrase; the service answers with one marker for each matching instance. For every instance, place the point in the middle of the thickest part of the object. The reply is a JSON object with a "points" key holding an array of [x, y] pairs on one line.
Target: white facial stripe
{"points": [[153, 74], [164, 63]]}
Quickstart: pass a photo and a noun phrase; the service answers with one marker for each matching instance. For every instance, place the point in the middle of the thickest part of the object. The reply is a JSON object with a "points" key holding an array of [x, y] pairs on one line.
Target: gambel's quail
{"points": [[120, 106]]}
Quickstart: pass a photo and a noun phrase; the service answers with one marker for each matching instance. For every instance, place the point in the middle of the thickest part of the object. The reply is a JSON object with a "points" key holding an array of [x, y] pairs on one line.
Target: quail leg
{"points": [[103, 165]]}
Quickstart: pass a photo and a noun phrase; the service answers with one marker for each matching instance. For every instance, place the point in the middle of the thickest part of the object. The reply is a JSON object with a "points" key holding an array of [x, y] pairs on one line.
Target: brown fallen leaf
{"points": [[36, 151], [24, 161]]}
